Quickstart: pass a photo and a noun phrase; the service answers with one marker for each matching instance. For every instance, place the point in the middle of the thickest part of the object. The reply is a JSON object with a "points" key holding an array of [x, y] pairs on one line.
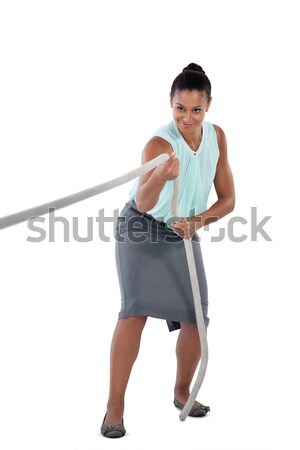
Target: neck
{"points": [[194, 139]]}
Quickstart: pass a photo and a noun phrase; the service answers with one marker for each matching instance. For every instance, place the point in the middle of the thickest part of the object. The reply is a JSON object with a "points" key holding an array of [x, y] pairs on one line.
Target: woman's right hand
{"points": [[169, 170]]}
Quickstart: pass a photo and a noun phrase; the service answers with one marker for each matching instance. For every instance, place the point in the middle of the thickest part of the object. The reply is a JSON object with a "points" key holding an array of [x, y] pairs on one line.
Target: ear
{"points": [[208, 104], [171, 102]]}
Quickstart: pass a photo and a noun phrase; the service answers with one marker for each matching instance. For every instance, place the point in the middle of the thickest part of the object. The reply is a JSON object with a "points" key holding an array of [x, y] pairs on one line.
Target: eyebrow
{"points": [[183, 106]]}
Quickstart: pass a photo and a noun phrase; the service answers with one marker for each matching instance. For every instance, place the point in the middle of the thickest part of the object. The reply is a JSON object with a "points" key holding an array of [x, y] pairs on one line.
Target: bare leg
{"points": [[188, 354], [124, 350]]}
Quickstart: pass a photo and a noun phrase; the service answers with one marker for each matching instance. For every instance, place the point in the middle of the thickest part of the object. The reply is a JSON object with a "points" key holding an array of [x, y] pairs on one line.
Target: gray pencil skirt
{"points": [[153, 272]]}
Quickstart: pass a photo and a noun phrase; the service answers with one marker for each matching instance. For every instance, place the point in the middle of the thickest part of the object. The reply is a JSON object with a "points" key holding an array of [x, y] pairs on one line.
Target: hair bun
{"points": [[195, 67]]}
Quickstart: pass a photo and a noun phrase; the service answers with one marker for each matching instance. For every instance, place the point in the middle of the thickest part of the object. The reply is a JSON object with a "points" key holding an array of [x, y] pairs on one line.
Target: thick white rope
{"points": [[21, 216], [198, 308], [30, 213]]}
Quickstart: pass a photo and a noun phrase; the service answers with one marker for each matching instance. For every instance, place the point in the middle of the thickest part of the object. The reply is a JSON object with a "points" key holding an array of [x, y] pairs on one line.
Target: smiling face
{"points": [[189, 108]]}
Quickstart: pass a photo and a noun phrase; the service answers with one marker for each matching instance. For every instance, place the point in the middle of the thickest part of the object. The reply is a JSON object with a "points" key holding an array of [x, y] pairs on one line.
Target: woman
{"points": [[150, 254]]}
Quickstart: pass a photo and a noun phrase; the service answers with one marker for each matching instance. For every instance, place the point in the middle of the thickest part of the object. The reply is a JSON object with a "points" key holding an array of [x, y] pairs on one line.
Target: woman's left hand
{"points": [[186, 229]]}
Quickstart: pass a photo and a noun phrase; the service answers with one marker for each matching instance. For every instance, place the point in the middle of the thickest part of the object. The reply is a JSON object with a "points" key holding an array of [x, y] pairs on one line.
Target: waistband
{"points": [[144, 214], [131, 208]]}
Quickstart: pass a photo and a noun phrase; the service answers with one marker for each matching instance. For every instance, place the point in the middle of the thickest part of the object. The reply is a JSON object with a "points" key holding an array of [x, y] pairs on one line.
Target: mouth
{"points": [[187, 125]]}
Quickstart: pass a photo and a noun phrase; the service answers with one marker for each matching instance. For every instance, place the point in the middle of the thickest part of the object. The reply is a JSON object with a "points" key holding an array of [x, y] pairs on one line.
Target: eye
{"points": [[180, 108]]}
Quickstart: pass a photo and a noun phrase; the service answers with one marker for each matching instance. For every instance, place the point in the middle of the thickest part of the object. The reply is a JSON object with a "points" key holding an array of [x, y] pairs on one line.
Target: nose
{"points": [[187, 118]]}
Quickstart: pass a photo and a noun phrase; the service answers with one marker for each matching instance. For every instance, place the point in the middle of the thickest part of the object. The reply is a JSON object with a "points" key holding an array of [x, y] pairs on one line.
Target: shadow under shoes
{"points": [[112, 431], [196, 411]]}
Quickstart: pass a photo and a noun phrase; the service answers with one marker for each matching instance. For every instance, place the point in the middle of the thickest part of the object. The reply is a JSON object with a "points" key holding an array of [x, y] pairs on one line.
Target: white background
{"points": [[83, 85]]}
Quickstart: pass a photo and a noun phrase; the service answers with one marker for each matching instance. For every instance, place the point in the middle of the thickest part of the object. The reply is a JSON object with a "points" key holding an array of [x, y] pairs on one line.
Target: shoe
{"points": [[196, 411], [112, 431]]}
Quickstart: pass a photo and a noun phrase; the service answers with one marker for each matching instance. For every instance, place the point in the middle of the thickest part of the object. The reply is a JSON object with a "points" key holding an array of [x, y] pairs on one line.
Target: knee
{"points": [[190, 331], [190, 328], [133, 322]]}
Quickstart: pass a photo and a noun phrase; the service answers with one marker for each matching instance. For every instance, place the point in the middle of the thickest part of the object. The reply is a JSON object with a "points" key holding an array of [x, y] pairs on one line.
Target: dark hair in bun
{"points": [[195, 67], [192, 78]]}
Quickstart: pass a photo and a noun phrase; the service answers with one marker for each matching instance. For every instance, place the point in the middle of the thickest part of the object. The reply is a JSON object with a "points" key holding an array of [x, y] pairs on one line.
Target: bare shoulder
{"points": [[221, 138], [219, 131], [160, 143], [154, 147]]}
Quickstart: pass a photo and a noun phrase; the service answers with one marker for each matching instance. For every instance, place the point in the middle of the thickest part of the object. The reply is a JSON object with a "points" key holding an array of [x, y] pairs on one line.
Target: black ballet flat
{"points": [[113, 431], [196, 411]]}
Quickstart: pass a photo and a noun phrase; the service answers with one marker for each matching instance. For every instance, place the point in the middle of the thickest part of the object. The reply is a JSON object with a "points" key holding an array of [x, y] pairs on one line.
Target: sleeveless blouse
{"points": [[196, 171]]}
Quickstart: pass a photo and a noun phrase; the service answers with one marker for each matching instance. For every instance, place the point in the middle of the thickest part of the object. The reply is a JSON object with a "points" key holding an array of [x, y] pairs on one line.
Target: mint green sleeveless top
{"points": [[196, 171]]}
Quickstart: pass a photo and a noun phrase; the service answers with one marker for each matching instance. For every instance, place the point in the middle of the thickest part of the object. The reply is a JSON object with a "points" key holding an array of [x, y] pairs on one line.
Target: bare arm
{"points": [[152, 182]]}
